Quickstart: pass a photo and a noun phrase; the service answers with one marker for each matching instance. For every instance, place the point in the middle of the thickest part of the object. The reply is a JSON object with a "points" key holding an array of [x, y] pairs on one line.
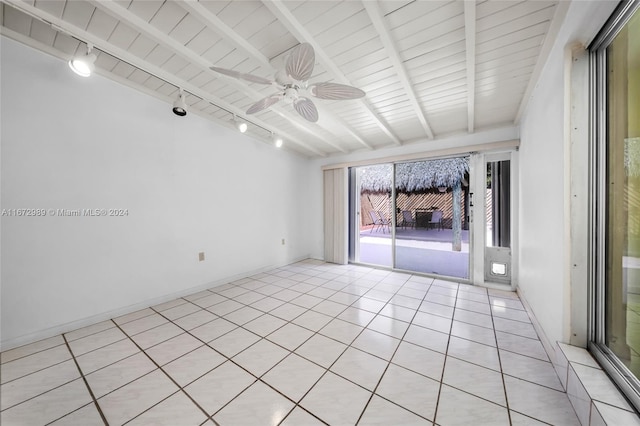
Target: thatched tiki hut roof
{"points": [[420, 176]]}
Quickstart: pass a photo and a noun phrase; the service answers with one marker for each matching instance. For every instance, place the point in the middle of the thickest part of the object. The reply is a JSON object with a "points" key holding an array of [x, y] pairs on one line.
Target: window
{"points": [[615, 330]]}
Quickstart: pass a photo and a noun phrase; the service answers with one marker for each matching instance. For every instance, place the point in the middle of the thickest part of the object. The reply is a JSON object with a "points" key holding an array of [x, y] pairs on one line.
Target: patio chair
{"points": [[407, 219], [379, 222], [436, 220]]}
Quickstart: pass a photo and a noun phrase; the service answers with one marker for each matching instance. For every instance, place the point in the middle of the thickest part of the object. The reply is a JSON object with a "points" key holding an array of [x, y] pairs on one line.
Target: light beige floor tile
{"points": [[377, 344], [405, 301], [469, 305], [388, 326], [381, 412], [360, 367], [264, 325], [518, 419], [398, 312], [531, 369], [133, 316], [290, 336], [294, 376], [260, 357], [213, 329], [521, 345], [474, 318], [173, 348], [312, 320], [180, 311], [37, 383], [330, 308], [223, 308], [119, 374], [178, 409], [143, 324], [30, 364], [234, 342], [299, 417], [170, 304], [410, 390], [209, 300], [96, 341], [195, 319], [49, 406], [427, 338], [156, 335], [335, 400], [370, 305], [321, 350], [306, 301], [197, 296], [506, 302], [258, 405], [243, 315], [479, 381], [356, 316], [475, 353], [434, 322], [459, 408], [193, 365], [286, 295], [512, 314], [540, 402], [436, 309], [132, 399], [341, 331], [249, 297], [85, 416], [464, 293], [26, 350], [287, 311], [440, 299], [267, 304], [89, 330], [208, 393], [342, 297], [102, 357], [421, 360], [475, 333]]}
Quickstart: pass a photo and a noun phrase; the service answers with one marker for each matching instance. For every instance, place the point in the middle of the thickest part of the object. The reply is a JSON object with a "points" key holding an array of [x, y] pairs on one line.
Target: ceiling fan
{"points": [[292, 83]]}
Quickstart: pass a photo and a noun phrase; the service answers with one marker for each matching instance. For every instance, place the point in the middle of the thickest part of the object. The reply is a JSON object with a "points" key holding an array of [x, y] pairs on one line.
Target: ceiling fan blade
{"points": [[242, 76], [301, 61], [263, 104], [306, 109], [337, 91]]}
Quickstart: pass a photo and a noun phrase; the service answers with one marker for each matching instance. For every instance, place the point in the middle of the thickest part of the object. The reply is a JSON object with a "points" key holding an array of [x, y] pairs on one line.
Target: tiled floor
{"points": [[306, 344]]}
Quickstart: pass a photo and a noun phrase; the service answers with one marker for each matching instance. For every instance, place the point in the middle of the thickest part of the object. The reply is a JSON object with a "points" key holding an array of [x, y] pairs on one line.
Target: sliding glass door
{"points": [[413, 216]]}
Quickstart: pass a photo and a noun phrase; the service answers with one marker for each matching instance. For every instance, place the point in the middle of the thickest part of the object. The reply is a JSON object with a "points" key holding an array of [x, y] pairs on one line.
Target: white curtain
{"points": [[335, 216]]}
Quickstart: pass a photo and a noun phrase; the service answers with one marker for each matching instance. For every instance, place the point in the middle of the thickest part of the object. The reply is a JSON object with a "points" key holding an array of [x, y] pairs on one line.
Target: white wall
{"points": [[544, 249], [189, 186]]}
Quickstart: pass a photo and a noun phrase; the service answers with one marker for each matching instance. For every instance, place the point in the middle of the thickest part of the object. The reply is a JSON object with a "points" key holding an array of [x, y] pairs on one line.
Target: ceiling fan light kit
{"points": [[293, 86]]}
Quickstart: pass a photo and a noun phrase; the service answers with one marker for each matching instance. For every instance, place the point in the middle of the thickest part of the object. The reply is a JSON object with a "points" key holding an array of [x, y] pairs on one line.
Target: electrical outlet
{"points": [[201, 256], [283, 241]]}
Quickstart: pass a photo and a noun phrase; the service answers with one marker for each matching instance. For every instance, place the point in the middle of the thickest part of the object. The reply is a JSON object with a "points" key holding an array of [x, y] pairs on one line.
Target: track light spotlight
{"points": [[180, 106], [277, 140], [241, 125], [84, 65]]}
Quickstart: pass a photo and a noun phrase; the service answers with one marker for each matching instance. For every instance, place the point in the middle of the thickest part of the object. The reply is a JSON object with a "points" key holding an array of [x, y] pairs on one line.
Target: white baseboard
{"points": [[549, 348]]}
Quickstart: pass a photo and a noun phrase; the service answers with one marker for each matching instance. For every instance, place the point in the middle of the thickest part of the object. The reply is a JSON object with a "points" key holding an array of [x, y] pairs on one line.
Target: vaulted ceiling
{"points": [[430, 69]]}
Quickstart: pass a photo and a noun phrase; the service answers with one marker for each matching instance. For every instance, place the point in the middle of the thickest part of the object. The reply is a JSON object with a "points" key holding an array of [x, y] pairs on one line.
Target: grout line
{"points": [[373, 393], [446, 355], [166, 374], [502, 374], [86, 383]]}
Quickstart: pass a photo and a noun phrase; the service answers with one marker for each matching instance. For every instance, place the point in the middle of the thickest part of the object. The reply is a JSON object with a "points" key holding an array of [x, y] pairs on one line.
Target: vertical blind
{"points": [[335, 216]]}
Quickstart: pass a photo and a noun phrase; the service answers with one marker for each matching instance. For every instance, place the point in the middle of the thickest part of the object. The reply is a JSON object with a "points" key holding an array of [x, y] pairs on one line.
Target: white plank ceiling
{"points": [[430, 69]]}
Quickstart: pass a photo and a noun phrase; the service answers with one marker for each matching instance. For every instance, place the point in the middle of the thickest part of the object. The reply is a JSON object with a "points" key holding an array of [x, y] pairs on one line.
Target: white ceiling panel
{"points": [[410, 57]]}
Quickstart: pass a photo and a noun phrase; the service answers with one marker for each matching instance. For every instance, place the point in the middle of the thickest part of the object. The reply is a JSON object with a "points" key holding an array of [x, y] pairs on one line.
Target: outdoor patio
{"points": [[421, 250]]}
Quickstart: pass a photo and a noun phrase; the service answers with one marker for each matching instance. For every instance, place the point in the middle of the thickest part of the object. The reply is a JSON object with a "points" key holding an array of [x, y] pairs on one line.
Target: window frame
{"points": [[620, 374]]}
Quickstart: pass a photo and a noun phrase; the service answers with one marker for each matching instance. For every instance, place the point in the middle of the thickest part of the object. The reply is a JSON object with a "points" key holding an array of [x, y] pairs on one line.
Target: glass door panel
{"points": [[374, 221], [431, 208]]}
